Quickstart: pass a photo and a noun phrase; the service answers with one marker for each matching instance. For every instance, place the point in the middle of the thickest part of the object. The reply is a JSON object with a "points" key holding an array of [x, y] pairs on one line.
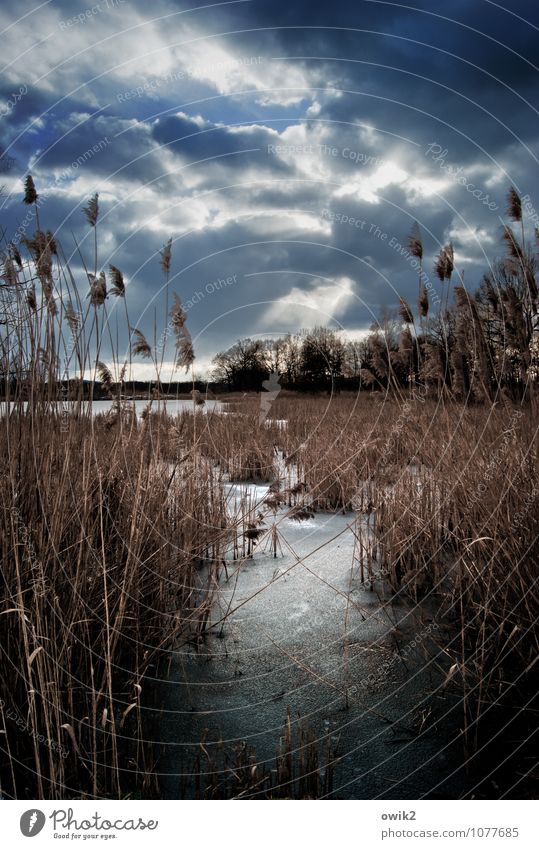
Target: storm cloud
{"points": [[289, 146]]}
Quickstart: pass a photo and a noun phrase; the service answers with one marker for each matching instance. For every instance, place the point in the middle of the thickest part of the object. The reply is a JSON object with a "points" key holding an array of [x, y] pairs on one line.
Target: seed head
{"points": [[166, 254], [405, 312], [30, 194], [91, 210], [514, 205], [118, 285], [140, 346], [415, 245]]}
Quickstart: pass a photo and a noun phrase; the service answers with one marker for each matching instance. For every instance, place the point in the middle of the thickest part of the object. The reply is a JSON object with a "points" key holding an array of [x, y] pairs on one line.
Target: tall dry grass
{"points": [[447, 505], [115, 530], [109, 552], [101, 571]]}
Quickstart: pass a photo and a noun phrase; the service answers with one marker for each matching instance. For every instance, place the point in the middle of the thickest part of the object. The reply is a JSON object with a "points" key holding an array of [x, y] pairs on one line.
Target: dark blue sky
{"points": [[249, 132]]}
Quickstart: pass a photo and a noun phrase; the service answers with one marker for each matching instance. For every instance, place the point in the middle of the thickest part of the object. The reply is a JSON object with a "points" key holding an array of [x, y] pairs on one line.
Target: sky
{"points": [[285, 147]]}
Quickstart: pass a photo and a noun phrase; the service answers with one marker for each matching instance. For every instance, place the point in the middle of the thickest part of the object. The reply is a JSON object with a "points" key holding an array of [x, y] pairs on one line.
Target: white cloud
{"points": [[320, 304]]}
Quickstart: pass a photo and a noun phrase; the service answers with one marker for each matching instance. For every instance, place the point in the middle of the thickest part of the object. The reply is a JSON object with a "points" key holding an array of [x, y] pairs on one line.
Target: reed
{"points": [[108, 550], [447, 500], [116, 531], [304, 768]]}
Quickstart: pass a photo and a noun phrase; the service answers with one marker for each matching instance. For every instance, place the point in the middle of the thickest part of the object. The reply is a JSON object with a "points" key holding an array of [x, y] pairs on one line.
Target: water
{"points": [[172, 406], [301, 633]]}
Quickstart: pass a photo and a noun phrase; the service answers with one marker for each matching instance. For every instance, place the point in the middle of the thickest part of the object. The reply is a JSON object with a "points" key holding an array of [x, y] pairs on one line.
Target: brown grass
{"points": [[114, 532], [452, 499], [101, 569]]}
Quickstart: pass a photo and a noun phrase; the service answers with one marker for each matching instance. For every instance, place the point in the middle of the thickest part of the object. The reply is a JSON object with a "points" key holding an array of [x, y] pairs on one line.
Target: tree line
{"points": [[474, 347]]}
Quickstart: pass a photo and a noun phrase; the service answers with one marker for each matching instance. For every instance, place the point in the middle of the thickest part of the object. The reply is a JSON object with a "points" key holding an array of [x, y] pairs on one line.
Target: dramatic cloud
{"points": [[289, 146]]}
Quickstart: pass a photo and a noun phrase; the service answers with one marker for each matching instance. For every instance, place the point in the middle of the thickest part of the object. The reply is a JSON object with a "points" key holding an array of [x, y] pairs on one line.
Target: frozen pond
{"points": [[171, 405], [300, 633]]}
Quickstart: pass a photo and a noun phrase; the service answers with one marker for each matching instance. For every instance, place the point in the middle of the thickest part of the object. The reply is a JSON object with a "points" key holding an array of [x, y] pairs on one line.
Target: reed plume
{"points": [[185, 354], [118, 285], [72, 318], [98, 289], [15, 255], [41, 253], [140, 346], [178, 315], [105, 377], [514, 205], [51, 242], [445, 263], [10, 274], [367, 377], [415, 244], [513, 247], [406, 343], [423, 303], [91, 210], [31, 299], [165, 255], [30, 193], [405, 312]]}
